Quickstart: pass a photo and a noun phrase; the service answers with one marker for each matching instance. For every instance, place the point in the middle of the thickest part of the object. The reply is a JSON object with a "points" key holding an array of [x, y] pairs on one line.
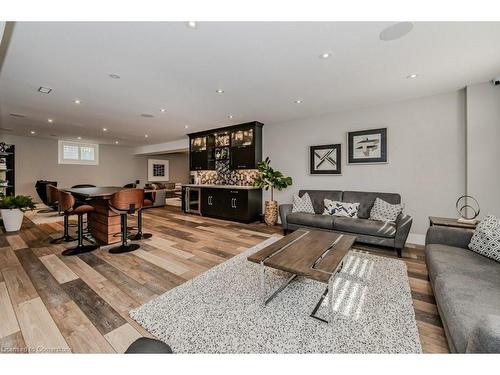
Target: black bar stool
{"points": [[54, 197], [68, 205], [126, 202], [147, 203]]}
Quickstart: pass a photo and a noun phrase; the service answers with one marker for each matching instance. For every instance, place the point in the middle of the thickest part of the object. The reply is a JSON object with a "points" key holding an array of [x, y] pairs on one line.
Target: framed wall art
{"points": [[325, 159], [157, 170], [367, 146]]}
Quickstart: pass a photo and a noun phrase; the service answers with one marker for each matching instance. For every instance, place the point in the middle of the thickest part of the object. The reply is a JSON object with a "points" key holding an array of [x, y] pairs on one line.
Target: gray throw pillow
{"points": [[486, 238], [384, 211], [303, 204]]}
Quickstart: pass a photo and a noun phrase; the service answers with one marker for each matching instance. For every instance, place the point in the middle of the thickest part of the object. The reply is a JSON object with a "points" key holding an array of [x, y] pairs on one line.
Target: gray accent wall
{"points": [[36, 159], [483, 146], [426, 154]]}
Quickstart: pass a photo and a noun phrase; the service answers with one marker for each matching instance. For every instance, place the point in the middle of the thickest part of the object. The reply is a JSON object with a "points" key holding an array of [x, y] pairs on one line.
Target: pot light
{"points": [[192, 24], [185, 126], [44, 90], [104, 129], [33, 132], [411, 76], [230, 116], [79, 138], [325, 55], [219, 91], [146, 135], [114, 76], [163, 110], [50, 120], [298, 101], [77, 101], [116, 142]]}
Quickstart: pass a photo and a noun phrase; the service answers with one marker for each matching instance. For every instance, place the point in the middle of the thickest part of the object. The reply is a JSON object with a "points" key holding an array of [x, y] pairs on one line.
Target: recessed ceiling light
{"points": [[412, 76], [104, 129], [192, 24], [114, 76], [116, 142], [33, 132], [396, 31], [185, 126], [50, 120], [146, 135], [77, 101], [298, 101], [230, 116], [79, 138], [147, 115], [163, 110], [44, 90], [325, 55], [219, 91]]}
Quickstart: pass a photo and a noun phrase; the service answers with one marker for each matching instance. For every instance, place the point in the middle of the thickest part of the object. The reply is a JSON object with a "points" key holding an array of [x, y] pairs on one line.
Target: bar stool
{"points": [[54, 196], [147, 203], [68, 205], [126, 202]]}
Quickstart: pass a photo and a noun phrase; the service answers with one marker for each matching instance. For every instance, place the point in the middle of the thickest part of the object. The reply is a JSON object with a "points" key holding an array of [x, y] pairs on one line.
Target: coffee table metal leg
{"points": [[330, 299], [266, 299]]}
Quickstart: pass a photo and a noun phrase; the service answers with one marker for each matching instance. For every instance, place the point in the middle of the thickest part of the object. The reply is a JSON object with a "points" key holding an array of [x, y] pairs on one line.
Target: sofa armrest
{"points": [[403, 226], [285, 209], [456, 237], [485, 336]]}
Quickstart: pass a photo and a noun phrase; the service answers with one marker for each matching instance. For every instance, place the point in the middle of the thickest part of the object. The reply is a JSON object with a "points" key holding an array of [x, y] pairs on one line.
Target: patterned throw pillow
{"points": [[486, 238], [384, 211], [336, 208], [303, 204]]}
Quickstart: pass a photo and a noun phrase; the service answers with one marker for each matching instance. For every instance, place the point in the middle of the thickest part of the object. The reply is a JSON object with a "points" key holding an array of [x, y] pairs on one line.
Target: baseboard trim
{"points": [[415, 239]]}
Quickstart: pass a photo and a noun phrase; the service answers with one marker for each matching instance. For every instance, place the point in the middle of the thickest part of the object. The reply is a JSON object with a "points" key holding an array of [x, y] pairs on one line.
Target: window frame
{"points": [[79, 161]]}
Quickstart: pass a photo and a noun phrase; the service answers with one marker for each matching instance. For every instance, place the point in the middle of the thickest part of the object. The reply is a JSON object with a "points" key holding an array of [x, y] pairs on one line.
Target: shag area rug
{"points": [[221, 310]]}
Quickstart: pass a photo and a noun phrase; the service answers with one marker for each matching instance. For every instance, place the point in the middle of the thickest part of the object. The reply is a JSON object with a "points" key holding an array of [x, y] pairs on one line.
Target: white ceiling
{"points": [[262, 67]]}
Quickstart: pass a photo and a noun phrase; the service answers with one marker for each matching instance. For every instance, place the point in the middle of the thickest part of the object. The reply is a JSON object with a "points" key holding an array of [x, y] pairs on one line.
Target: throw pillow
{"points": [[302, 204], [384, 211], [486, 238], [337, 208]]}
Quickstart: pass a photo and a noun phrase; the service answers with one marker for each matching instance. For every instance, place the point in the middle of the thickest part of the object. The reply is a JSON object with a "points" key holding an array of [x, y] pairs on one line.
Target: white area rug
{"points": [[220, 311]]}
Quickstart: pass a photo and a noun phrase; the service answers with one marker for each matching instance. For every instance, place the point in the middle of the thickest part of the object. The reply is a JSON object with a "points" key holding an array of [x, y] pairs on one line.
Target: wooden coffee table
{"points": [[310, 253]]}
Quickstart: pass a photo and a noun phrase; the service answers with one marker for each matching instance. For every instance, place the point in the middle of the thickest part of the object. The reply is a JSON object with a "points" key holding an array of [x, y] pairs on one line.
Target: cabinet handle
{"points": [[234, 202]]}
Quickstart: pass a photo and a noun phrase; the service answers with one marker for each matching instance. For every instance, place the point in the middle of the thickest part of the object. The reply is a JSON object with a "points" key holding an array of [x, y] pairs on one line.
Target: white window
{"points": [[78, 153]]}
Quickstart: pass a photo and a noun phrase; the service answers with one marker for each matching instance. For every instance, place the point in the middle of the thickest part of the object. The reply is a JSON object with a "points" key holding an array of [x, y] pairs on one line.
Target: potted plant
{"points": [[269, 178], [12, 209]]}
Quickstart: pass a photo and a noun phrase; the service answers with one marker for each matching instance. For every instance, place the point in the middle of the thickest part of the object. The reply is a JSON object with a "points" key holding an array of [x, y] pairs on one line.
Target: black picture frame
{"points": [[366, 159], [318, 152]]}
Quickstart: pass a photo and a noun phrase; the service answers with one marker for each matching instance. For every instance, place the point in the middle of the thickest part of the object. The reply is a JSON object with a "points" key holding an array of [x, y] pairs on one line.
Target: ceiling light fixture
{"points": [[146, 135], [219, 91], [412, 76], [185, 126], [325, 55], [50, 120], [77, 101], [230, 116], [79, 138], [116, 142], [298, 101], [104, 129], [44, 90], [163, 110], [33, 132], [396, 31], [114, 76], [192, 24]]}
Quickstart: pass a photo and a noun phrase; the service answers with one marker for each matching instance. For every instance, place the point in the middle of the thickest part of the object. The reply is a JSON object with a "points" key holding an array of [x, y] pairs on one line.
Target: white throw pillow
{"points": [[337, 208], [486, 238], [303, 204], [384, 211]]}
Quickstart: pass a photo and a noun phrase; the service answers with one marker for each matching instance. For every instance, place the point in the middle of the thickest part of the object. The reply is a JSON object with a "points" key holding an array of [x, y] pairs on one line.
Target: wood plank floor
{"points": [[51, 303]]}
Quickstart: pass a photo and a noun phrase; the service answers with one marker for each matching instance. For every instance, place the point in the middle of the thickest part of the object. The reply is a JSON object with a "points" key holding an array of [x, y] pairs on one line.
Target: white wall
{"points": [[426, 153], [483, 146]]}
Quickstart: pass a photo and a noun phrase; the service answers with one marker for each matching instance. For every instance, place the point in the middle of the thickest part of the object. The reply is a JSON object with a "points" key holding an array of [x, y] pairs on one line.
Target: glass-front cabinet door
{"points": [[242, 138]]}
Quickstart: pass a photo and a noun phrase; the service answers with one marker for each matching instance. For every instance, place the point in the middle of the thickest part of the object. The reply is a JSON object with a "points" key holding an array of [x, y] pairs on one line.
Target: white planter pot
{"points": [[12, 219]]}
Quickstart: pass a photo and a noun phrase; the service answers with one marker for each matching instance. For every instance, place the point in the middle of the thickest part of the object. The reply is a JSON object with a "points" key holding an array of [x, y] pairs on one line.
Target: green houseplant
{"points": [[12, 209], [269, 178]]}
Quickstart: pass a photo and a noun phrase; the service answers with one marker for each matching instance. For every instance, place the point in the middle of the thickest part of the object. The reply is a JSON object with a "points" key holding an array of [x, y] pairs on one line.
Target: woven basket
{"points": [[271, 212]]}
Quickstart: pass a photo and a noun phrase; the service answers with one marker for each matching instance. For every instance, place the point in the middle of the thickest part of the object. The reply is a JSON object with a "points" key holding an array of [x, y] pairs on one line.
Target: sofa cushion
{"points": [[365, 226], [318, 197], [486, 238], [463, 300], [366, 200], [302, 204], [384, 211], [336, 208], [310, 220]]}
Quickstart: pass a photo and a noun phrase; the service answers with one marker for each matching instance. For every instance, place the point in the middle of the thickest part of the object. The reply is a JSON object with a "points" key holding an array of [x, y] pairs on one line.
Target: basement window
{"points": [[78, 153]]}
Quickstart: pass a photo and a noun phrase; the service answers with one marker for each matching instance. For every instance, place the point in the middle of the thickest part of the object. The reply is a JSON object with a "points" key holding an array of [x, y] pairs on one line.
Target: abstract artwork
{"points": [[157, 170], [367, 146], [325, 159]]}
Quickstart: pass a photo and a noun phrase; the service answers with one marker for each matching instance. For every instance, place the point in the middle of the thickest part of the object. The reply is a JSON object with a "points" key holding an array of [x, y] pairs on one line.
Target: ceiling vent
{"points": [[44, 90], [147, 115], [17, 115]]}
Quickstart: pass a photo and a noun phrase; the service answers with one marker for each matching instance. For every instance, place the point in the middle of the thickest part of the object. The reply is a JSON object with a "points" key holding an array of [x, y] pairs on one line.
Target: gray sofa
{"points": [[466, 286], [366, 231]]}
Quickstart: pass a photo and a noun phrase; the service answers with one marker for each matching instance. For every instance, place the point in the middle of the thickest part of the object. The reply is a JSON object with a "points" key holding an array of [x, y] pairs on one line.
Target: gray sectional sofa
{"points": [[466, 286], [365, 230]]}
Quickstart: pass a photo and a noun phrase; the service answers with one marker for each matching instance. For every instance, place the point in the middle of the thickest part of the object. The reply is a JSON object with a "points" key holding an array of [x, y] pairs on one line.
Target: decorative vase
{"points": [[12, 219], [271, 212]]}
